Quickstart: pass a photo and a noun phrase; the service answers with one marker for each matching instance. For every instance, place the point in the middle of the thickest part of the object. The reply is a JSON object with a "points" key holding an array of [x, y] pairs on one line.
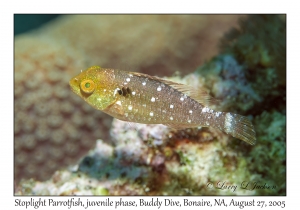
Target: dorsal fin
{"points": [[198, 94]]}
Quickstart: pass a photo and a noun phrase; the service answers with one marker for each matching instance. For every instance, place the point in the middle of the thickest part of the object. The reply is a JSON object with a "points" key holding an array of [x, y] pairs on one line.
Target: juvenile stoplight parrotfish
{"points": [[141, 98]]}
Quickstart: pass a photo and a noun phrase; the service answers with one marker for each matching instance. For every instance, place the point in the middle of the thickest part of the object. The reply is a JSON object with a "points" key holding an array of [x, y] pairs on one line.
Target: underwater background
{"points": [[63, 146], [26, 22]]}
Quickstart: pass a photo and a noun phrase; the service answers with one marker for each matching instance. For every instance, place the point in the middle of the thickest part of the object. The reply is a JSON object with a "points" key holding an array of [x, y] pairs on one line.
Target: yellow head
{"points": [[96, 86]]}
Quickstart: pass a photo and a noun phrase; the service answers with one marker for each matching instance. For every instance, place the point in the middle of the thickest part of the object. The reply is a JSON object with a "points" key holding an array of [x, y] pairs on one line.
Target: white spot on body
{"points": [[130, 75], [98, 99], [152, 99], [171, 106], [205, 109], [144, 83], [171, 118], [181, 99], [189, 121], [133, 93], [119, 102], [207, 123], [190, 111], [129, 107], [125, 83], [151, 114], [158, 88], [128, 79], [228, 123], [218, 114]]}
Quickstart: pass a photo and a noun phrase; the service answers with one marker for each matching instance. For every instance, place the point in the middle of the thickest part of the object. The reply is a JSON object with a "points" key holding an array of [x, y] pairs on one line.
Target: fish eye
{"points": [[87, 86]]}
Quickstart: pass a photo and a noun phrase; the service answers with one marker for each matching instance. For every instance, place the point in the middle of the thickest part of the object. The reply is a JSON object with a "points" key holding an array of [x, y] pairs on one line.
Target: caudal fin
{"points": [[240, 127]]}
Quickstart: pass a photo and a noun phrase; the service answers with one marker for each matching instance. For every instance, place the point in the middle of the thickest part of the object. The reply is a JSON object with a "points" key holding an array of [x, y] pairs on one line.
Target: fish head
{"points": [[95, 86]]}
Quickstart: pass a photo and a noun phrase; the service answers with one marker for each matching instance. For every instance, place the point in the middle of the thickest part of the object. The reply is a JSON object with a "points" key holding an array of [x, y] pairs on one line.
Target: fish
{"points": [[141, 98]]}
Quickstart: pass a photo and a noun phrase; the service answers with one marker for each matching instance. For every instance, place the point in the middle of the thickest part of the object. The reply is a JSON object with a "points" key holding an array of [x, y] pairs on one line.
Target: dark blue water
{"points": [[27, 22]]}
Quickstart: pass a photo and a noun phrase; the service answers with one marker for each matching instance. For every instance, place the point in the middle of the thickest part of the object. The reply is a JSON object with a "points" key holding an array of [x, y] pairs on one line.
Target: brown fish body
{"points": [[141, 98]]}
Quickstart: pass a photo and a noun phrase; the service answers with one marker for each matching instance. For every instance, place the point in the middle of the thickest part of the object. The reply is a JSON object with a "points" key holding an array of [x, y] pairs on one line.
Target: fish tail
{"points": [[239, 127]]}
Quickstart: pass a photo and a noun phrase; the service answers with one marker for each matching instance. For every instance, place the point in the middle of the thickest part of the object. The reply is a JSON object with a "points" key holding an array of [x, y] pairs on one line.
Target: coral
{"points": [[226, 80], [259, 45], [259, 42], [150, 160], [53, 127], [154, 44], [108, 162], [251, 70], [103, 175], [249, 78], [271, 129], [69, 183], [50, 120]]}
